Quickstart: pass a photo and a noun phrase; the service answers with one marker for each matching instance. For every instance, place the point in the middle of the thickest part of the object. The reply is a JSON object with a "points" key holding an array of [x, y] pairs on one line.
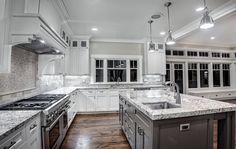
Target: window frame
{"points": [[127, 58]]}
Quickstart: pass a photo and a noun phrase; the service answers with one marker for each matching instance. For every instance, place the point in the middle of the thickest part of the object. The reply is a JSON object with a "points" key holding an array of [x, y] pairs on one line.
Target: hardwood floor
{"points": [[101, 131]]}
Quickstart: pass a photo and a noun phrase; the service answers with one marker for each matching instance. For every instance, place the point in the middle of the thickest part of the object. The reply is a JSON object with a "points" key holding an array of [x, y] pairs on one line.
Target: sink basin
{"points": [[161, 105]]}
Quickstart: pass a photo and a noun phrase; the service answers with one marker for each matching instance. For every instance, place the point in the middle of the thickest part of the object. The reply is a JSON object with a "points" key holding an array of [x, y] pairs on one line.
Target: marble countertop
{"points": [[12, 120], [191, 105], [68, 90]]}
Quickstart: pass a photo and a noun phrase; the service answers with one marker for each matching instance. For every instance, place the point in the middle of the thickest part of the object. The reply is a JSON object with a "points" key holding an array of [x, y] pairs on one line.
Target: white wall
{"points": [[115, 48]]}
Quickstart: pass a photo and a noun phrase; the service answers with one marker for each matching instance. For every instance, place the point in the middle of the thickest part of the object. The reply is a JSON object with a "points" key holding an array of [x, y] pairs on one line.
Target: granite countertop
{"points": [[12, 120], [68, 90], [191, 105]]}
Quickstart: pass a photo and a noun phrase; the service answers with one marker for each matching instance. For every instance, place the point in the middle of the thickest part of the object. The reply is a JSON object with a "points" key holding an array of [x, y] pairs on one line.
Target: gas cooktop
{"points": [[39, 102]]}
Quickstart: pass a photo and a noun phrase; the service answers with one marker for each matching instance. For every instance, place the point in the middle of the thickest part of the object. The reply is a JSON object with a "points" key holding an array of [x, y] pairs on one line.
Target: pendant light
{"points": [[151, 44], [169, 40], [206, 21]]}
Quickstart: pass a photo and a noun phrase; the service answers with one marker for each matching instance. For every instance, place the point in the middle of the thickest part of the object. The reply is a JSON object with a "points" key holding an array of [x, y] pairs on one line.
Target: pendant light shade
{"points": [[169, 40], [151, 45], [206, 21]]}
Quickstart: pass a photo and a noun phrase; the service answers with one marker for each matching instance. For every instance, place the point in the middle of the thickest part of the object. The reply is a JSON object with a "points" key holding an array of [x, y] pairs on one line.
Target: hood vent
{"points": [[33, 34], [39, 46]]}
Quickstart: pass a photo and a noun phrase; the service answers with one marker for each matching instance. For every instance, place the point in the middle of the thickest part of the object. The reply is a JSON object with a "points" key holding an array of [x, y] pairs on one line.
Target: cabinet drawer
{"points": [[129, 123], [102, 92], [14, 141], [33, 127], [89, 92], [130, 136], [143, 119]]}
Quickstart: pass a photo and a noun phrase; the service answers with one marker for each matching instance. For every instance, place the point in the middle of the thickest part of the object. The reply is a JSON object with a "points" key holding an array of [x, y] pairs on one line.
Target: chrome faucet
{"points": [[176, 91]]}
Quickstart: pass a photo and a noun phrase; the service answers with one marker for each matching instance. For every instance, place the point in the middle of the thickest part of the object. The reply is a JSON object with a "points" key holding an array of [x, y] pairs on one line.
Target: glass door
{"points": [[179, 76], [175, 73]]}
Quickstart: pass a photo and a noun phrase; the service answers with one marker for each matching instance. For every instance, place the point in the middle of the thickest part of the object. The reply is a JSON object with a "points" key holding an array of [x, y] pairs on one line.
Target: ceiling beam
{"points": [[216, 14]]}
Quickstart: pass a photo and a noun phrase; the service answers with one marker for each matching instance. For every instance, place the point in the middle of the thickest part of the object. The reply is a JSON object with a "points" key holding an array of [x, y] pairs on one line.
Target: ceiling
{"points": [[127, 19], [224, 33]]}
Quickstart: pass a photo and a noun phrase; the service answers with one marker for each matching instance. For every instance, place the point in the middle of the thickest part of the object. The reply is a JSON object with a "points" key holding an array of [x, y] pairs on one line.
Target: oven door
{"points": [[64, 123], [53, 135]]}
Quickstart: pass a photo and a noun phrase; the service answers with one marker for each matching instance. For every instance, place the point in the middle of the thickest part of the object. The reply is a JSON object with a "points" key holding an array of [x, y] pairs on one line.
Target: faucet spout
{"points": [[175, 90]]}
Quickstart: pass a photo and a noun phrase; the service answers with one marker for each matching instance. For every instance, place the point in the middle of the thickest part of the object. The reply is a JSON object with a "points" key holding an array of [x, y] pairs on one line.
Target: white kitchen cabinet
{"points": [[114, 103], [33, 134], [155, 62], [5, 48], [27, 136], [103, 103], [74, 96], [91, 103], [77, 61]]}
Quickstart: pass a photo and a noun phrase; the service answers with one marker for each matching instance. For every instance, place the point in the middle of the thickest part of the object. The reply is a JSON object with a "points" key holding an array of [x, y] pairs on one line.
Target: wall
{"points": [[115, 48]]}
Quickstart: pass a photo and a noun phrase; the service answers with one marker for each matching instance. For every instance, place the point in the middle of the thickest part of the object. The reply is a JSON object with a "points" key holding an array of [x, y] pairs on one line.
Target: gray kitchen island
{"points": [[152, 120]]}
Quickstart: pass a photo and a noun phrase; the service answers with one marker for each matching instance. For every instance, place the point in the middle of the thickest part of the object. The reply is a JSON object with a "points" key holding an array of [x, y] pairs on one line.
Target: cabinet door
{"points": [[114, 103], [91, 103], [78, 62], [121, 114], [143, 139], [81, 103], [184, 135], [102, 103]]}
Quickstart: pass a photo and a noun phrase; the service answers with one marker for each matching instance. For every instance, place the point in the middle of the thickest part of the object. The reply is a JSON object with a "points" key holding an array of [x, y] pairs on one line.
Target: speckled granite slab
{"points": [[191, 105], [12, 120]]}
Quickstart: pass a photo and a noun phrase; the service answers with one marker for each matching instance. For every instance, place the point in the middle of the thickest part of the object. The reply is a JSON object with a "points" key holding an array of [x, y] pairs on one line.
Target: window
{"points": [[167, 72], [226, 74], [204, 75], [116, 71], [74, 43], [133, 70], [192, 53], [216, 75], [99, 70], [178, 53], [203, 54], [168, 52], [192, 75], [225, 55], [215, 54]]}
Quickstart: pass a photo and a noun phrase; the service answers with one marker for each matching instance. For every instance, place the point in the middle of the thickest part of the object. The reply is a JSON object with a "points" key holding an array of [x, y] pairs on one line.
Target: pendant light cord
{"points": [[168, 13], [150, 22]]}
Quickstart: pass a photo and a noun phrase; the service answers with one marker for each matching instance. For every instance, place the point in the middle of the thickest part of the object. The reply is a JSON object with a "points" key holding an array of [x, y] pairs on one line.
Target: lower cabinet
{"points": [[100, 100], [27, 136]]}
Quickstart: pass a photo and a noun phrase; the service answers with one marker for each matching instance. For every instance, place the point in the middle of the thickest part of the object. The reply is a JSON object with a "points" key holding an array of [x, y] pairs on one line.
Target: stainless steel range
{"points": [[54, 116]]}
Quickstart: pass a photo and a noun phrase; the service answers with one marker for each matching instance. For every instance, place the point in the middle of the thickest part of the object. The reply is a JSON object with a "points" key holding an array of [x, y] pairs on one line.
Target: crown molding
{"points": [[216, 14]]}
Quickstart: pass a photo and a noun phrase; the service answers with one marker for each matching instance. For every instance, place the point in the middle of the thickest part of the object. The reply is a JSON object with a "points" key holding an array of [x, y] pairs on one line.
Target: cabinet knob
{"points": [[184, 127]]}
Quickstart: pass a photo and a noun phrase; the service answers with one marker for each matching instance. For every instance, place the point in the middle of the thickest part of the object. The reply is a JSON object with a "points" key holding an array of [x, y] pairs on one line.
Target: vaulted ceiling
{"points": [[127, 19]]}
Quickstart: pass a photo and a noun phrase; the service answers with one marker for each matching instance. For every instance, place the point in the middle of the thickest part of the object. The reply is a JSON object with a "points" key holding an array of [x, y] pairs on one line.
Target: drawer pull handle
{"points": [[33, 126], [184, 127]]}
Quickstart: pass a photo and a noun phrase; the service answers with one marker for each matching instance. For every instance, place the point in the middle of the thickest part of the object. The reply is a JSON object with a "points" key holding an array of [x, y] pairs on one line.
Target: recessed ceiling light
{"points": [[200, 9], [212, 38], [94, 29], [42, 41], [162, 33]]}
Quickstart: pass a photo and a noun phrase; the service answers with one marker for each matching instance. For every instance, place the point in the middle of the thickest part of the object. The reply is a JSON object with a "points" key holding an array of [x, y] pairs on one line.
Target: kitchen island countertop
{"points": [[191, 105]]}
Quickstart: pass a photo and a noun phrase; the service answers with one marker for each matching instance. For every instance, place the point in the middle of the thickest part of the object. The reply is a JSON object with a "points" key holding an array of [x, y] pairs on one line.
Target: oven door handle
{"points": [[50, 127]]}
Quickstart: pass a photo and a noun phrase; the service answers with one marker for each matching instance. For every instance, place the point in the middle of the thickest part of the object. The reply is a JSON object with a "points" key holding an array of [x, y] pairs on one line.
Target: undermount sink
{"points": [[161, 105]]}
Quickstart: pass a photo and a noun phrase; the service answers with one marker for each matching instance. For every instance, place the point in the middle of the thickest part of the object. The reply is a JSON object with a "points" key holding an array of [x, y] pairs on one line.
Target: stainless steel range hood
{"points": [[33, 34]]}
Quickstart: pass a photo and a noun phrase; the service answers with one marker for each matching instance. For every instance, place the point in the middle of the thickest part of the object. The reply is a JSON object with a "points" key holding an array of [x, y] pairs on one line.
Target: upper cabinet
{"points": [[77, 57], [155, 62], [5, 48]]}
